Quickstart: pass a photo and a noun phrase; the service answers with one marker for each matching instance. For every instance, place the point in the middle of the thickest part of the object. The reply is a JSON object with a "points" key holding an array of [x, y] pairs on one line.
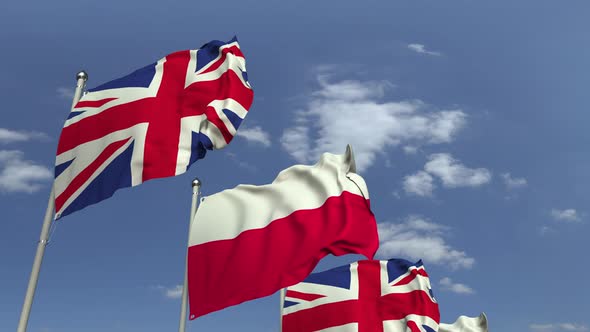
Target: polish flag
{"points": [[466, 324], [251, 241]]}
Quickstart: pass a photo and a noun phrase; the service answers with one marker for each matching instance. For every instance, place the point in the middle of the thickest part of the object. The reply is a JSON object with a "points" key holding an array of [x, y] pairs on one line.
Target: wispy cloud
{"points": [[245, 165], [256, 135], [351, 111], [12, 136], [174, 292], [565, 215], [420, 48], [408, 149], [555, 327], [450, 171], [543, 230], [418, 238], [65, 93], [454, 174], [20, 175], [513, 183], [420, 184], [448, 285]]}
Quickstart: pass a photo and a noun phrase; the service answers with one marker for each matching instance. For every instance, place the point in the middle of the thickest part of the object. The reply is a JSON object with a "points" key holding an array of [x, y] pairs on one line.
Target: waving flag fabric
{"points": [[365, 296], [152, 123], [250, 241], [466, 324]]}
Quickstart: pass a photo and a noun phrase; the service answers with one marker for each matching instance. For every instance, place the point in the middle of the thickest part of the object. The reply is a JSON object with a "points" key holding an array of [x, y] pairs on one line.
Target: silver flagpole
{"points": [[281, 303], [196, 192], [81, 77]]}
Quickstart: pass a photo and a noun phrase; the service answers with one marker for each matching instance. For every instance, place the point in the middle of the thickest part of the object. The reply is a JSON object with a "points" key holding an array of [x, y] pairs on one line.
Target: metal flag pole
{"points": [[281, 303], [196, 192], [81, 77]]}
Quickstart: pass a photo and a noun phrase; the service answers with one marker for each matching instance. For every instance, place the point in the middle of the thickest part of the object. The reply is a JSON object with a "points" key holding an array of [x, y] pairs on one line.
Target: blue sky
{"points": [[469, 122]]}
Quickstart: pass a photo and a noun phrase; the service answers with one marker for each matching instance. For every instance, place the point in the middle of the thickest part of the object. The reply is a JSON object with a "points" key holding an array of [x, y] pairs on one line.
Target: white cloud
{"points": [[420, 184], [241, 163], [449, 285], [555, 327], [420, 48], [20, 175], [296, 141], [66, 93], [454, 174], [565, 215], [256, 135], [450, 171], [11, 136], [350, 90], [408, 149], [349, 112], [421, 224], [418, 238], [545, 230], [513, 183], [174, 292]]}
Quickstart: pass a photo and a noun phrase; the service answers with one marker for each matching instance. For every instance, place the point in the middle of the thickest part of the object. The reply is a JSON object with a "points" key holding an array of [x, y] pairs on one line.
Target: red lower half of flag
{"points": [[258, 262]]}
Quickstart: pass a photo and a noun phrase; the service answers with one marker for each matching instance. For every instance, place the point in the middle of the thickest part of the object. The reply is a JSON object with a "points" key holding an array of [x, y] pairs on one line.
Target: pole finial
{"points": [[197, 182], [349, 155], [82, 75]]}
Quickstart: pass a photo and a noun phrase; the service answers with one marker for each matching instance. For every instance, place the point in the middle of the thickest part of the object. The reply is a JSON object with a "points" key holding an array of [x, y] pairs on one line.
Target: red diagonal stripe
{"points": [[234, 50], [81, 178], [93, 103], [199, 94], [413, 326], [304, 296], [413, 274]]}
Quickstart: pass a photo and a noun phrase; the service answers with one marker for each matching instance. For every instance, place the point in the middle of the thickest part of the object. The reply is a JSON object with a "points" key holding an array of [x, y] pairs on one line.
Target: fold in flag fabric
{"points": [[366, 296], [250, 241], [152, 123], [466, 324]]}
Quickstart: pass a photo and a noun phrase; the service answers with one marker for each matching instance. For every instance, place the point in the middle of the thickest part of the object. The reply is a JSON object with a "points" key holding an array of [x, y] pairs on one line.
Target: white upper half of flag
{"points": [[225, 215], [466, 324]]}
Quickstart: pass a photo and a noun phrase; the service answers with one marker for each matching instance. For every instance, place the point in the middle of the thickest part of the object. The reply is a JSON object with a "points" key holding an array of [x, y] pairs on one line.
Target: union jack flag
{"points": [[365, 296], [152, 123]]}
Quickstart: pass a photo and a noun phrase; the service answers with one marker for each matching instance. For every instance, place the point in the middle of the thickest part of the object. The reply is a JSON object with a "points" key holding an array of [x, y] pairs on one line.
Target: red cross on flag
{"points": [[365, 296], [152, 123]]}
